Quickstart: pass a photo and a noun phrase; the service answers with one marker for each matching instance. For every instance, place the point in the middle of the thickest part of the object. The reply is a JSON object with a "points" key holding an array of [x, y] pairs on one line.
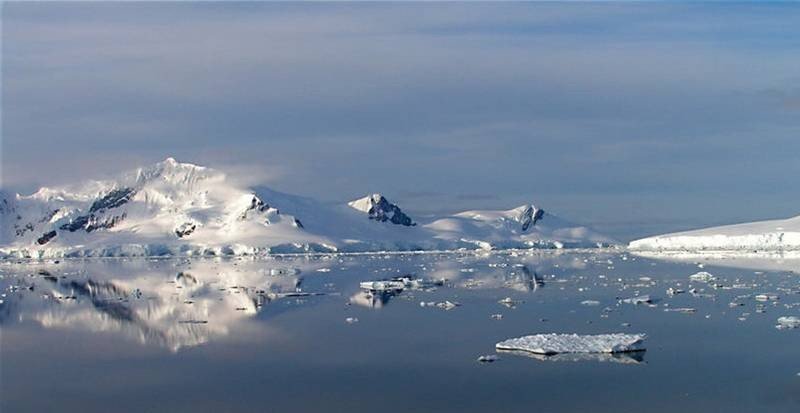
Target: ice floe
{"points": [[548, 344], [788, 322]]}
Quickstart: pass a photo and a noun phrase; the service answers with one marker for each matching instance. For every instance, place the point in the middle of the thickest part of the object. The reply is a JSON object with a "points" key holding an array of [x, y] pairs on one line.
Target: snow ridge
{"points": [[172, 208], [773, 235]]}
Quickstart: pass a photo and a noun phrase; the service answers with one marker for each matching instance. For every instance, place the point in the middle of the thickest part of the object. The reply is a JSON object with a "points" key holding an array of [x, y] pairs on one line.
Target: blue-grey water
{"points": [[272, 335]]}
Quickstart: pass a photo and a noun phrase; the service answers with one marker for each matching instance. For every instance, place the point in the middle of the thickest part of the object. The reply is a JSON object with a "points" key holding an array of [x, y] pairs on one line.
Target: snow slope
{"points": [[173, 208], [773, 235]]}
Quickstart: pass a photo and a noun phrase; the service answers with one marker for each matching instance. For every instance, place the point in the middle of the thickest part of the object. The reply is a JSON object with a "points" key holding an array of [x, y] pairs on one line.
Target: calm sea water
{"points": [[272, 335]]}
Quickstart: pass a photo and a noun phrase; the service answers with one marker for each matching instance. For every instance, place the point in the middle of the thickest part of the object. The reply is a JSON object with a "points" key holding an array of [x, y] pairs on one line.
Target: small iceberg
{"points": [[642, 299], [702, 276], [489, 358], [400, 283], [551, 344], [382, 285], [788, 322]]}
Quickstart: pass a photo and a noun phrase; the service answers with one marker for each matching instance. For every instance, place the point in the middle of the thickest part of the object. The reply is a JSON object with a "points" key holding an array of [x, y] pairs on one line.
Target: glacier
{"points": [[762, 236], [181, 209]]}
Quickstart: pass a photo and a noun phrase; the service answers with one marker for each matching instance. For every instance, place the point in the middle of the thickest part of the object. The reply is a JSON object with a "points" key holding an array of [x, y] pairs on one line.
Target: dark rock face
{"points": [[49, 216], [6, 207], [186, 278], [530, 216], [185, 229], [46, 237], [76, 224], [256, 204], [95, 219], [92, 222], [113, 199], [20, 231], [382, 210], [96, 223]]}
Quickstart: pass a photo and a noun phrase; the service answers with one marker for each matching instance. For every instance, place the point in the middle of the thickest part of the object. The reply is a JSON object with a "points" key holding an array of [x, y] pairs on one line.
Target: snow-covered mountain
{"points": [[173, 208], [774, 235]]}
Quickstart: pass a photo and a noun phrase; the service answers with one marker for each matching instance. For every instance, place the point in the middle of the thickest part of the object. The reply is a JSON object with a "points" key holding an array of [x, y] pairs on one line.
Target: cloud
{"points": [[528, 102]]}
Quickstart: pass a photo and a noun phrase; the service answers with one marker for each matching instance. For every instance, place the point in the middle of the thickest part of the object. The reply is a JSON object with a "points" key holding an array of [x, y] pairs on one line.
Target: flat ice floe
{"points": [[550, 344]]}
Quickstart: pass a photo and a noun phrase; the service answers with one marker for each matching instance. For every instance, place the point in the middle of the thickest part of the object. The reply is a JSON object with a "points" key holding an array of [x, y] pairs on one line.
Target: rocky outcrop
{"points": [[46, 237], [528, 216], [379, 208], [113, 199]]}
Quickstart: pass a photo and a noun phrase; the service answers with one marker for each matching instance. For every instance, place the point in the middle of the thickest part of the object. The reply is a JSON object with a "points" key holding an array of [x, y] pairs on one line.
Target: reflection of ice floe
{"points": [[630, 357], [761, 260], [523, 279], [550, 344], [371, 299], [399, 284], [192, 307], [376, 294]]}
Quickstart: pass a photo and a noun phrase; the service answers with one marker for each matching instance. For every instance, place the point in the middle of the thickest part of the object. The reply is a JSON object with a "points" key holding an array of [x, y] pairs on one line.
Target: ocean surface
{"points": [[299, 334]]}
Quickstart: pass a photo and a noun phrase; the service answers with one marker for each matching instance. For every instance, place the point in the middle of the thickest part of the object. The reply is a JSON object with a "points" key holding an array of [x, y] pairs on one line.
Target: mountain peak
{"points": [[527, 215], [174, 172], [175, 208], [379, 208]]}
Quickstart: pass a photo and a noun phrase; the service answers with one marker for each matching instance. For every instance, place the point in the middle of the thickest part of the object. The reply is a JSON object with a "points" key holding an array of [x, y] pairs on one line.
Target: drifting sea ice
{"points": [[642, 299], [788, 322], [548, 344], [382, 285], [702, 276], [489, 358]]}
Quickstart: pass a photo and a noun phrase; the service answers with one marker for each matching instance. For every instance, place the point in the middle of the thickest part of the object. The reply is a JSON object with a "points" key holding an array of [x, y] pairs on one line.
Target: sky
{"points": [[636, 118]]}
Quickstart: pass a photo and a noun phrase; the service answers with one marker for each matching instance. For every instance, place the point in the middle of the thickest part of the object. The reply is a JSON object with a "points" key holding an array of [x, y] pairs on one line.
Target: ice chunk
{"points": [[684, 310], [509, 302], [590, 302], [489, 358], [283, 271], [444, 305], [766, 297], [382, 285], [674, 291], [548, 344], [447, 305], [788, 322], [702, 276], [642, 299]]}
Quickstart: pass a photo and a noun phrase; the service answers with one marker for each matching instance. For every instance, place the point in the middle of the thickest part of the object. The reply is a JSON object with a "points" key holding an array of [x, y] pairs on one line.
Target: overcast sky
{"points": [[634, 117]]}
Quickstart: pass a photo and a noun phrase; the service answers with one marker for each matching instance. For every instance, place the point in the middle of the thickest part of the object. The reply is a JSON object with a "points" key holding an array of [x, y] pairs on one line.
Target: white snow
{"points": [[366, 203], [172, 208], [773, 235], [574, 343]]}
